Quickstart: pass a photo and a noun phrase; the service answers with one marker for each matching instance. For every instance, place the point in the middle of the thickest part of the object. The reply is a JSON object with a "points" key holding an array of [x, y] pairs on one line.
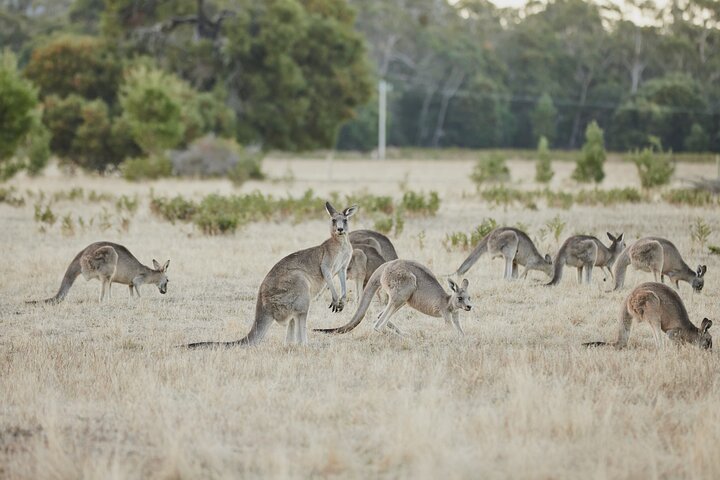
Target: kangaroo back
{"points": [[479, 250], [559, 264], [257, 332], [371, 289], [621, 265]]}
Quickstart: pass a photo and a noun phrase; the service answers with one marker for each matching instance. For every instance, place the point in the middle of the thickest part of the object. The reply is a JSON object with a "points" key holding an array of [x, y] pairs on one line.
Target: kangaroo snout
{"points": [[468, 308]]}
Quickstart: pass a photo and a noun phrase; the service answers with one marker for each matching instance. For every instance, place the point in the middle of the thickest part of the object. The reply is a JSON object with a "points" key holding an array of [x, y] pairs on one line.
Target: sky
{"points": [[634, 16]]}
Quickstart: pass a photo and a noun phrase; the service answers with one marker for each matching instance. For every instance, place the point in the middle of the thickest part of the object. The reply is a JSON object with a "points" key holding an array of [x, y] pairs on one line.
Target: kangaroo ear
{"points": [[610, 236], [453, 285], [465, 283], [704, 269], [165, 267], [156, 265], [350, 211], [330, 209], [548, 258], [705, 325], [701, 270], [620, 237]]}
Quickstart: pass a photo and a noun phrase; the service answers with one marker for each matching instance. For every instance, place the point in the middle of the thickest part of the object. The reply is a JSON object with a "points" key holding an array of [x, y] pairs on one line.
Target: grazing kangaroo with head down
{"points": [[96, 261], [661, 307], [586, 252], [659, 256], [371, 249], [408, 282], [516, 247], [376, 239], [288, 288]]}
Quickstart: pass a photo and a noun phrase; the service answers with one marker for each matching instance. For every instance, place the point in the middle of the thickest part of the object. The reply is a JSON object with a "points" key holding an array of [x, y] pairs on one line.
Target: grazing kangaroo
{"points": [[366, 258], [516, 247], [661, 307], [586, 252], [288, 288], [128, 271], [658, 255], [385, 246], [101, 264], [408, 282]]}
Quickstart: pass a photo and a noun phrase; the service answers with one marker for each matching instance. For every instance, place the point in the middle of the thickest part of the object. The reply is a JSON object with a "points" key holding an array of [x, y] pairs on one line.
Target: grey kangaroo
{"points": [[288, 288], [96, 261], [658, 255], [371, 249], [585, 252], [408, 282], [515, 247], [661, 307]]}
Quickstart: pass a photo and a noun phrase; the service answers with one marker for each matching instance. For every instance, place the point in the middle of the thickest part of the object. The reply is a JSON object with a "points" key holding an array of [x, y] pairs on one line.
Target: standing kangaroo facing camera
{"points": [[408, 282], [288, 288], [111, 263]]}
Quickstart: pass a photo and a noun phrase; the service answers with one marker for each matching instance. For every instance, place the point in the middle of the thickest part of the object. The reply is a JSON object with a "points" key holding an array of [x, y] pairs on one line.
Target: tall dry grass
{"points": [[94, 390]]}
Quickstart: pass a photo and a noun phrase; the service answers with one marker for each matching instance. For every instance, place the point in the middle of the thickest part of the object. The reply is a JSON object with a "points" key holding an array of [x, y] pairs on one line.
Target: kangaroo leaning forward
{"points": [[586, 252], [660, 257], [408, 282], [661, 307], [516, 247], [286, 291], [110, 263]]}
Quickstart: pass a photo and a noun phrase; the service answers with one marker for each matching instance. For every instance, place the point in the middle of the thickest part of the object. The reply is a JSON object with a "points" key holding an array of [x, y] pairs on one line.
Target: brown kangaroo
{"points": [[586, 252]]}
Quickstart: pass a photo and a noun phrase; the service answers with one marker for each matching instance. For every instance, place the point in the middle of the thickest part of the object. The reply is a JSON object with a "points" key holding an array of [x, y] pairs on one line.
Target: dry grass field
{"points": [[91, 390]]}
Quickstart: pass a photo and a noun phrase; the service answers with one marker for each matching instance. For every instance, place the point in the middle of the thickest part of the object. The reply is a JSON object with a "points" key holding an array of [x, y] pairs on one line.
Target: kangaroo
{"points": [[586, 252], [516, 247], [288, 288], [386, 248], [661, 307], [408, 282], [658, 255], [128, 271], [101, 264], [366, 258]]}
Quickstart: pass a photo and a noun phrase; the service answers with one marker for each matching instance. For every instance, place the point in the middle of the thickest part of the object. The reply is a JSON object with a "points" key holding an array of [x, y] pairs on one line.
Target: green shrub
{"points": [[589, 166], [490, 168], [90, 146], [543, 168], [152, 106], [555, 199], [18, 98], [217, 215], [146, 168], [700, 231], [419, 203], [8, 195], [463, 241], [612, 196], [37, 147], [689, 196], [482, 230], [654, 167], [173, 210], [63, 117], [697, 140]]}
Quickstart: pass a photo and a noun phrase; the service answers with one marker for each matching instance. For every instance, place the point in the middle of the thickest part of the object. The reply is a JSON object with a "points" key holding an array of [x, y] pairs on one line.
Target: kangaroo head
{"points": [[459, 298], [161, 277], [545, 265], [698, 282], [339, 220], [618, 243], [699, 337]]}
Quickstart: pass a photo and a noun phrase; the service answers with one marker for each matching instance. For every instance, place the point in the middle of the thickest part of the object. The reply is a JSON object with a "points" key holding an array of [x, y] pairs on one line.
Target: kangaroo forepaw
{"points": [[337, 306]]}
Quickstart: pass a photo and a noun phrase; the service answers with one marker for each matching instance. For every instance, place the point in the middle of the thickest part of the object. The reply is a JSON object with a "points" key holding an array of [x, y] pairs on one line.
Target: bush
{"points": [[75, 65], [491, 168], [151, 104], [173, 210], [419, 203], [18, 98], [90, 148], [689, 196], [63, 117], [697, 140], [543, 168], [210, 156], [37, 147], [654, 167], [146, 168], [589, 166], [216, 215]]}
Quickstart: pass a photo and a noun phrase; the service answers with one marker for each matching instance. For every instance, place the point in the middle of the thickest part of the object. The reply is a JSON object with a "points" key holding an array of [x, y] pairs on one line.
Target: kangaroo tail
{"points": [[597, 344], [255, 335], [621, 265], [558, 265], [71, 274], [474, 255], [371, 289]]}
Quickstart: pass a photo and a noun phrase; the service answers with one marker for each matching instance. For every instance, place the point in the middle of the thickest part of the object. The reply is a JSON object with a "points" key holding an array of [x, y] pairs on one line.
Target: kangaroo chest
{"points": [[342, 258]]}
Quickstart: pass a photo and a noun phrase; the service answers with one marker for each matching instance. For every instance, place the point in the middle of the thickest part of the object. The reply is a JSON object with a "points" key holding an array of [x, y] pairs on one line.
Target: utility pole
{"points": [[382, 115]]}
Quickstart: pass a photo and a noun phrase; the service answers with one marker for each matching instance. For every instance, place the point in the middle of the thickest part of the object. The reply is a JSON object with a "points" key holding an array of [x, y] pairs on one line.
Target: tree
{"points": [[18, 98], [589, 166], [78, 65], [543, 119], [697, 140], [543, 168], [150, 100]]}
